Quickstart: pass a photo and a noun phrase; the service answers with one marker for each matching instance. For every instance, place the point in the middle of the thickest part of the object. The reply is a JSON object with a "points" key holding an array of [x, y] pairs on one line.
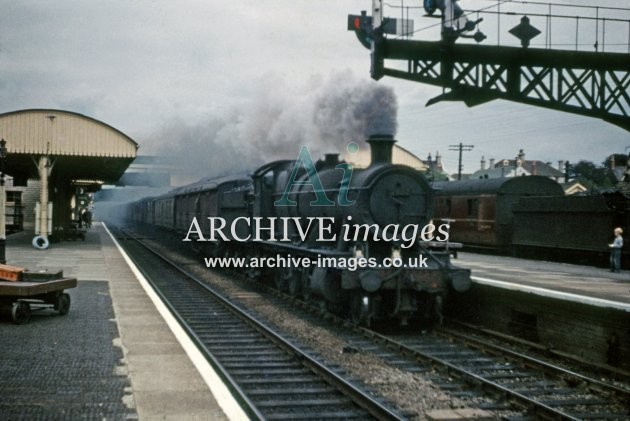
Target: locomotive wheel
{"points": [[280, 280], [216, 249], [359, 309], [62, 305], [295, 284], [20, 312], [306, 286]]}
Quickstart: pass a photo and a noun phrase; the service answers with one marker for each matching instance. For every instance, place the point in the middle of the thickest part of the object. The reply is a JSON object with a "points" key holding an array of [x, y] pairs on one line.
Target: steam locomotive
{"points": [[360, 241]]}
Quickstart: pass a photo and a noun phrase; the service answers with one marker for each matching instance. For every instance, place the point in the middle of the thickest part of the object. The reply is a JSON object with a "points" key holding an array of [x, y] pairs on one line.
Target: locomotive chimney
{"points": [[331, 159], [381, 146]]}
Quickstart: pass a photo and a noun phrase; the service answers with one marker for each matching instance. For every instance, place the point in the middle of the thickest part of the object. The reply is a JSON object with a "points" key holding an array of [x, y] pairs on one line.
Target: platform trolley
{"points": [[21, 289]]}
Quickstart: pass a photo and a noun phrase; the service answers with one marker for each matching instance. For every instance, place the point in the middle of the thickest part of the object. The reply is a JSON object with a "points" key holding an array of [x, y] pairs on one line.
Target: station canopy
{"points": [[81, 149]]}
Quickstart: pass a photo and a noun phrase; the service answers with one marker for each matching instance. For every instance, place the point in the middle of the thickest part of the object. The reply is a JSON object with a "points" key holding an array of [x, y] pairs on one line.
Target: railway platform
{"points": [[113, 356], [578, 310], [584, 284]]}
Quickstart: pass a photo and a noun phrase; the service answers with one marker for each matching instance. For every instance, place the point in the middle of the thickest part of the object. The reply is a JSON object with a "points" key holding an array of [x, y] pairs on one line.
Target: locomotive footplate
{"points": [[437, 278], [395, 293], [371, 280]]}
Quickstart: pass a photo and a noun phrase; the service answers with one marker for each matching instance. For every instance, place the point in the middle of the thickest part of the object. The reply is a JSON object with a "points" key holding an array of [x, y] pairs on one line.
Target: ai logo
{"points": [[304, 159]]}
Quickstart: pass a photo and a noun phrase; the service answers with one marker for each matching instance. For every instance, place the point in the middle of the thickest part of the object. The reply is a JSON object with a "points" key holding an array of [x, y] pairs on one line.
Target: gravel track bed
{"points": [[412, 393], [522, 347]]}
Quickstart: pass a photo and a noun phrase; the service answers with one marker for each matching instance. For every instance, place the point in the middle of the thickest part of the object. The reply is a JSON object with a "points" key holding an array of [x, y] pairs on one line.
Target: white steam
{"points": [[277, 122]]}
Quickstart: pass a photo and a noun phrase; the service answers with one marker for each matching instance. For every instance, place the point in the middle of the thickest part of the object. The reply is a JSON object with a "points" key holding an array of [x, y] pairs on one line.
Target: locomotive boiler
{"points": [[363, 237]]}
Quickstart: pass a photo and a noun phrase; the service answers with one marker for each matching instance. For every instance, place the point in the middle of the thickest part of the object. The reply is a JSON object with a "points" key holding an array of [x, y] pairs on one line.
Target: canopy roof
{"points": [[80, 147]]}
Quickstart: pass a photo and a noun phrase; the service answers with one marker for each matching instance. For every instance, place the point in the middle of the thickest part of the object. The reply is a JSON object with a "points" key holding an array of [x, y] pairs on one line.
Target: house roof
{"points": [[534, 167], [500, 172]]}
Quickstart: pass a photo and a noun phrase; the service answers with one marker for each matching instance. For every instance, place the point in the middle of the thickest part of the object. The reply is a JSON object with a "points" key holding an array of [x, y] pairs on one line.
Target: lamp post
{"points": [[3, 198]]}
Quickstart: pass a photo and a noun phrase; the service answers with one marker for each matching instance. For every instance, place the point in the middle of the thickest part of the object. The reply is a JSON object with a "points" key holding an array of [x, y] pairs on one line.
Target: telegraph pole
{"points": [[461, 148]]}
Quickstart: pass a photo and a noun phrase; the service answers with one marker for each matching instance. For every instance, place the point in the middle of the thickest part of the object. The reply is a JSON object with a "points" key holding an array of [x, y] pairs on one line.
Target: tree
{"points": [[621, 160], [592, 176]]}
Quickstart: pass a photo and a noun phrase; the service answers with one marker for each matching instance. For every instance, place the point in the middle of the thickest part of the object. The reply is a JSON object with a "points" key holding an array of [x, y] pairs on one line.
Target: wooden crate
{"points": [[11, 273]]}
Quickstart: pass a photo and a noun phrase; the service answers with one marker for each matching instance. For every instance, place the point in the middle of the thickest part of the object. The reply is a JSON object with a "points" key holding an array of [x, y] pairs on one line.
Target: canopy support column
{"points": [[40, 240]]}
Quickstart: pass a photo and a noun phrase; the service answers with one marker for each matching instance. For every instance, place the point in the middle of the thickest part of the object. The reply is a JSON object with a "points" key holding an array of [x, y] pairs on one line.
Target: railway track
{"points": [[270, 377], [542, 389], [608, 374], [519, 382], [515, 386]]}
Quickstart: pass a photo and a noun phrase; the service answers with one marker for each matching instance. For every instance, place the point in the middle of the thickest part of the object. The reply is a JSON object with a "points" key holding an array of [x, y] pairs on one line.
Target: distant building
{"points": [[519, 167], [619, 170], [145, 176], [435, 169], [147, 171], [573, 187], [432, 168], [400, 155]]}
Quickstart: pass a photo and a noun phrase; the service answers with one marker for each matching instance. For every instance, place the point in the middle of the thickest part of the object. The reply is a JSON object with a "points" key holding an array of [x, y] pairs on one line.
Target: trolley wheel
{"points": [[20, 312], [62, 305]]}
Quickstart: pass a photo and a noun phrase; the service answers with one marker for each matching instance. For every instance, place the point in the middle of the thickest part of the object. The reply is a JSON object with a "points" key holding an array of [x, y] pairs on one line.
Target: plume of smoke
{"points": [[350, 109], [277, 122]]}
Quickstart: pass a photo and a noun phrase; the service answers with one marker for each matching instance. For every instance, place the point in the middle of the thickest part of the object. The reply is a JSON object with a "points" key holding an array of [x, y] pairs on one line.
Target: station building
{"points": [[400, 155], [55, 160]]}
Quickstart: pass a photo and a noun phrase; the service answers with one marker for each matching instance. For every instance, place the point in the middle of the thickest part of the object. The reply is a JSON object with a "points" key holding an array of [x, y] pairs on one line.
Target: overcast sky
{"points": [[145, 67]]}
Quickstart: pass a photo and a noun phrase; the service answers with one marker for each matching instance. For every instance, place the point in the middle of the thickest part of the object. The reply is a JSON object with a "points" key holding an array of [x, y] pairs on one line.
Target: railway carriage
{"points": [[577, 229], [481, 209], [531, 217]]}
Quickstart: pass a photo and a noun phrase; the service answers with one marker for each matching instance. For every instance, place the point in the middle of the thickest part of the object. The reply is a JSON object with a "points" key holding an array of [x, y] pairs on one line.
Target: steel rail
{"points": [[246, 404], [607, 370], [535, 362], [360, 398], [527, 403]]}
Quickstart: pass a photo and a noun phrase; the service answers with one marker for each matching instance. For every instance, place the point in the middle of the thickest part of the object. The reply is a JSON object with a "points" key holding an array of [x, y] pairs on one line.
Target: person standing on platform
{"points": [[615, 251], [87, 218]]}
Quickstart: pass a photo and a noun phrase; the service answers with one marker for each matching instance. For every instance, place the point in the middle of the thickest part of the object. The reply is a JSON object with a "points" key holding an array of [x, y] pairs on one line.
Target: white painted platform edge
{"points": [[544, 292], [224, 398]]}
